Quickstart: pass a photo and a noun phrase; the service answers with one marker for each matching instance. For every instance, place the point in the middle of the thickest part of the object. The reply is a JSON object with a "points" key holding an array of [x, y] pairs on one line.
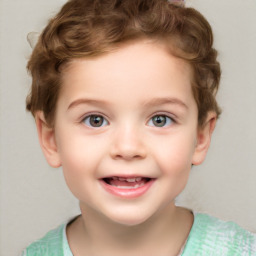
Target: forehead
{"points": [[136, 51], [141, 68]]}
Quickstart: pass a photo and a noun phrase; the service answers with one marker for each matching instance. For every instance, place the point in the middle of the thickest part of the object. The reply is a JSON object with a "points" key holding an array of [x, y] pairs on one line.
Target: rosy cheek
{"points": [[171, 160]]}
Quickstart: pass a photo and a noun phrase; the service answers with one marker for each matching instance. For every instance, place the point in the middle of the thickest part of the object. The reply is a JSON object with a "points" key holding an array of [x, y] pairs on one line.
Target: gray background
{"points": [[34, 197]]}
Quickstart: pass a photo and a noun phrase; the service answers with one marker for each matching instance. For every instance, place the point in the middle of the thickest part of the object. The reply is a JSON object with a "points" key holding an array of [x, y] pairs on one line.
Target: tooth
{"points": [[138, 179], [124, 187], [130, 187], [121, 179], [131, 180]]}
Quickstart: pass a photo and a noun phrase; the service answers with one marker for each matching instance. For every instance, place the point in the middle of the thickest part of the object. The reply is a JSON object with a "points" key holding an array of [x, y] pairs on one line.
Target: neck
{"points": [[162, 234]]}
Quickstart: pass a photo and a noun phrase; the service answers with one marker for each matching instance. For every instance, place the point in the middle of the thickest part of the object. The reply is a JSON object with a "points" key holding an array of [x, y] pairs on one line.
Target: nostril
{"points": [[127, 146], [128, 156]]}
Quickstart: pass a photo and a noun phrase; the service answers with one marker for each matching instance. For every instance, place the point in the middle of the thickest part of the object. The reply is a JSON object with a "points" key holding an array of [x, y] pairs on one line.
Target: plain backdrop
{"points": [[34, 197]]}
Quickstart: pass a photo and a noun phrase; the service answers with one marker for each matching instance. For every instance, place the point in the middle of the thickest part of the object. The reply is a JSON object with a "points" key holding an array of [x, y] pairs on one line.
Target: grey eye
{"points": [[160, 121], [95, 121]]}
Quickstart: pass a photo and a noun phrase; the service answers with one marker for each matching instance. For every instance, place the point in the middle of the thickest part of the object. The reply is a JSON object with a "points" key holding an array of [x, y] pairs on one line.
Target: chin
{"points": [[129, 222], [129, 219]]}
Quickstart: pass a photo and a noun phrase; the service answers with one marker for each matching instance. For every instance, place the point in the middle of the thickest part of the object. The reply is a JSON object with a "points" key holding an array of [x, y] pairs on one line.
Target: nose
{"points": [[127, 144]]}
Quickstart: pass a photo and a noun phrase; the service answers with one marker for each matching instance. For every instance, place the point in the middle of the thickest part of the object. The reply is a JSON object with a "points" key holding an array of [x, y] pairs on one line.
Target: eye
{"points": [[95, 121], [160, 121]]}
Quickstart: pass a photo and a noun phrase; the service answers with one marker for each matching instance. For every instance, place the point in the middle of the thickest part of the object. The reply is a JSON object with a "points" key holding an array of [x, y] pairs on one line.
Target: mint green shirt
{"points": [[209, 236]]}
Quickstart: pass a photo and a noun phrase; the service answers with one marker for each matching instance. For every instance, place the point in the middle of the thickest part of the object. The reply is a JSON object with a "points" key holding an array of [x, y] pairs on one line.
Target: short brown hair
{"points": [[91, 27]]}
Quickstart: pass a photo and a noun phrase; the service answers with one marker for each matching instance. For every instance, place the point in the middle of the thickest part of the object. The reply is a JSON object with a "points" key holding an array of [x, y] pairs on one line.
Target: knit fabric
{"points": [[209, 236]]}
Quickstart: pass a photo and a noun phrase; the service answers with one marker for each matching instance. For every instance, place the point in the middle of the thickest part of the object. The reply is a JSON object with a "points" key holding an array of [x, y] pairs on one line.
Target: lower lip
{"points": [[127, 193]]}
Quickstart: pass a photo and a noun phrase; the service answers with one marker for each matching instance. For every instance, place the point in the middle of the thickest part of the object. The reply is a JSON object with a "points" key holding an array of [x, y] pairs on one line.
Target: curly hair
{"points": [[85, 28]]}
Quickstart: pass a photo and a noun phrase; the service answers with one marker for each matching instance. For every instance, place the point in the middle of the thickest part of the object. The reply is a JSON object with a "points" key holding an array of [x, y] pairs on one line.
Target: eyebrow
{"points": [[86, 101], [150, 103], [165, 100]]}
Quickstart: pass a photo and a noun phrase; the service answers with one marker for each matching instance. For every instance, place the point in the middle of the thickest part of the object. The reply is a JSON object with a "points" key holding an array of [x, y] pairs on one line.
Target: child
{"points": [[123, 95]]}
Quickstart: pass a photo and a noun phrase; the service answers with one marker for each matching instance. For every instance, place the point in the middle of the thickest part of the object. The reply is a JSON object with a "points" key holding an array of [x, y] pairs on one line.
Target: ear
{"points": [[204, 135], [47, 140]]}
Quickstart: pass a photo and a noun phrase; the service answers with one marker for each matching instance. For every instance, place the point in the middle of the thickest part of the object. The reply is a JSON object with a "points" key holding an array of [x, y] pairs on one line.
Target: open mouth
{"points": [[126, 183]]}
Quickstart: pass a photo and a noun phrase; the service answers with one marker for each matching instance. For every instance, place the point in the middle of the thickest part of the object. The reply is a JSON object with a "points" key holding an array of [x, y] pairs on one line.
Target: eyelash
{"points": [[104, 122], [169, 120], [86, 120]]}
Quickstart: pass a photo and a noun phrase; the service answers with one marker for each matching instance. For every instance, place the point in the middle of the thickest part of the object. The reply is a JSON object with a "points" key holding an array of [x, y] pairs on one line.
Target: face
{"points": [[126, 131]]}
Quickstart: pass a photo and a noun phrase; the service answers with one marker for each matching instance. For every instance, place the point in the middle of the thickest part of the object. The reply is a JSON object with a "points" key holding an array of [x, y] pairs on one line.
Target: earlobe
{"points": [[204, 139], [47, 140]]}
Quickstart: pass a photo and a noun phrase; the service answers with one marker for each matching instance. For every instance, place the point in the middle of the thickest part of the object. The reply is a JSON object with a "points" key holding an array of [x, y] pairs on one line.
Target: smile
{"points": [[131, 187]]}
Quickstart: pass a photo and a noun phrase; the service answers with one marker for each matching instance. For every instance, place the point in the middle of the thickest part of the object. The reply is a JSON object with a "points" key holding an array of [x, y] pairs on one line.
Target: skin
{"points": [[127, 87]]}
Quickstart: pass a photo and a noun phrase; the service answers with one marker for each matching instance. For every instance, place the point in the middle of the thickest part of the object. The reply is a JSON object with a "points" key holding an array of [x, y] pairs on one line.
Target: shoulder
{"points": [[49, 245], [212, 236]]}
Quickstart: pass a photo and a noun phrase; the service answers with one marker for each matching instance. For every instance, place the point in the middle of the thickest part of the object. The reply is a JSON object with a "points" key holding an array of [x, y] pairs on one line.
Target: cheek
{"points": [[175, 157], [78, 157], [78, 150], [79, 164]]}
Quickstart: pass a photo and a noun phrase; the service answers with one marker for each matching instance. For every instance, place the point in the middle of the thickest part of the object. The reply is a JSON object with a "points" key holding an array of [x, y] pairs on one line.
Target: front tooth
{"points": [[138, 179], [122, 179], [124, 187], [131, 180]]}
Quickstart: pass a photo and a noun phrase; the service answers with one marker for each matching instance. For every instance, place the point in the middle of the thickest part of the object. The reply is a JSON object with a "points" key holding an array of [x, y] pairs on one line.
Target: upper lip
{"points": [[126, 176]]}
